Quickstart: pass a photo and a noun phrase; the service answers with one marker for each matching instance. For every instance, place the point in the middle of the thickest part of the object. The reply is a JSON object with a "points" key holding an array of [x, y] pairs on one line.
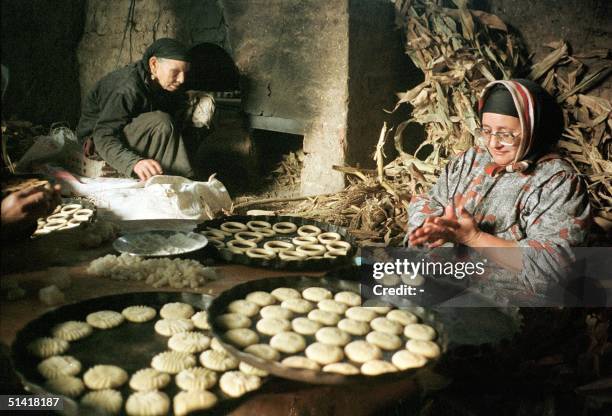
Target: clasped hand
{"points": [[449, 227]]}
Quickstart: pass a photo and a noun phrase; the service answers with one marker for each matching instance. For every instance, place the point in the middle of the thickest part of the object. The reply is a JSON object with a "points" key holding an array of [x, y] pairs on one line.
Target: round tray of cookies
{"points": [[279, 242], [135, 353], [319, 330], [73, 213]]}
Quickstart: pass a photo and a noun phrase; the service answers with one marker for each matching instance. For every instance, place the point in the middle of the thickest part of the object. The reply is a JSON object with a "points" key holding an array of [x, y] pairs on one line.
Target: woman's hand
{"points": [[147, 168], [436, 231]]}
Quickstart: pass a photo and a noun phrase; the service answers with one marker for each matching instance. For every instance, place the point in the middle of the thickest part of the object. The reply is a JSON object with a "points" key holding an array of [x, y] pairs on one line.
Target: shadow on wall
{"points": [[39, 43]]}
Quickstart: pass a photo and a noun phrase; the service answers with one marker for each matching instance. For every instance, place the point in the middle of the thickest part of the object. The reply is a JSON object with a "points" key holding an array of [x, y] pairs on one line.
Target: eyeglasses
{"points": [[505, 138]]}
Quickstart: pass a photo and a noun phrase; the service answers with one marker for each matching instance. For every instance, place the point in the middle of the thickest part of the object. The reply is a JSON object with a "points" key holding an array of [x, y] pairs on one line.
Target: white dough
{"points": [[200, 320], [324, 317], [297, 305], [244, 307], [233, 321], [402, 317], [427, 349], [348, 298], [275, 311], [386, 325], [384, 340]]}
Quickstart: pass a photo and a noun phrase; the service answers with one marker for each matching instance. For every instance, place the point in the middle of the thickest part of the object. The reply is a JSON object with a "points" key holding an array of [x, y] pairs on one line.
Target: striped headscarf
{"points": [[540, 116]]}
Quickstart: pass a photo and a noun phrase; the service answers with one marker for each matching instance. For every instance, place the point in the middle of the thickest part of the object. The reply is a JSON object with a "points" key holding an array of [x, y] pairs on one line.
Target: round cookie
{"points": [[200, 320], [236, 383], [150, 403], [386, 325], [105, 319], [348, 298], [67, 385], [305, 326], [59, 365], [263, 351], [169, 327], [46, 347], [288, 342], [186, 402], [275, 311], [297, 361], [190, 342], [380, 308], [173, 362], [218, 360], [244, 307], [333, 336], [377, 367], [354, 327], [272, 326], [362, 351], [316, 294], [249, 370], [331, 305], [297, 305], [405, 359], [149, 379], [284, 293], [402, 317], [384, 340], [105, 401], [428, 349], [359, 313], [101, 377], [242, 337], [71, 330], [341, 368], [261, 298], [196, 378], [323, 353], [176, 310], [324, 317], [420, 332], [139, 313], [216, 345], [233, 320]]}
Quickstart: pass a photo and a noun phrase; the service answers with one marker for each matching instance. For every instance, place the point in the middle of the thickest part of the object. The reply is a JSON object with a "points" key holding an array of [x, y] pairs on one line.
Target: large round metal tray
{"points": [[130, 346], [128, 243], [276, 263], [219, 306]]}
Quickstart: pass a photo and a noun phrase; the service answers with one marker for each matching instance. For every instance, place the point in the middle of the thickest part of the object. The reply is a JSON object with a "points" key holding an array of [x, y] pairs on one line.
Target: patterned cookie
{"points": [[67, 385], [71, 330], [233, 321], [101, 377], [196, 378], [169, 327], [176, 310], [316, 294], [47, 347], [272, 326], [305, 326], [200, 320], [236, 383], [186, 402], [190, 342], [173, 362], [218, 360], [249, 370], [105, 319], [139, 313], [106, 401], [149, 379], [59, 365], [150, 403]]}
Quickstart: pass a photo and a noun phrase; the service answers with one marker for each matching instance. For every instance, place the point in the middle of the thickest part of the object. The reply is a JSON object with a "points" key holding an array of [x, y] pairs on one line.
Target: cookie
{"points": [[200, 320], [233, 321], [244, 307], [331, 305], [173, 362], [139, 313], [420, 332], [261, 298], [169, 327], [297, 361], [105, 319], [149, 379], [176, 310], [275, 311], [190, 342], [305, 326], [348, 298], [242, 337], [236, 383], [46, 347], [71, 330], [186, 402], [263, 351], [402, 317], [384, 340], [284, 293], [362, 351], [272, 326], [377, 367], [58, 366], [359, 313], [341, 368], [324, 317], [386, 325], [297, 305], [324, 353], [316, 294], [354, 327], [251, 371], [101, 377], [288, 342], [67, 385], [428, 349], [107, 401], [405, 359], [333, 336], [218, 360], [196, 378], [150, 403]]}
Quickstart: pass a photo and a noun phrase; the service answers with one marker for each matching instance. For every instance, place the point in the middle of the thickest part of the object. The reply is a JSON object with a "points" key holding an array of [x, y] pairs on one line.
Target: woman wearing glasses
{"points": [[510, 190]]}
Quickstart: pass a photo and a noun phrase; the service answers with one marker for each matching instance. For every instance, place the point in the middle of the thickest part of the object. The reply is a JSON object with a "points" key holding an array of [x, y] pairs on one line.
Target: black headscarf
{"points": [[166, 48]]}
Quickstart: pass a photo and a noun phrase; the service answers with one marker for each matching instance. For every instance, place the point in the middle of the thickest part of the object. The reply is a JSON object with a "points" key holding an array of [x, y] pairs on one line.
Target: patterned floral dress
{"points": [[545, 210]]}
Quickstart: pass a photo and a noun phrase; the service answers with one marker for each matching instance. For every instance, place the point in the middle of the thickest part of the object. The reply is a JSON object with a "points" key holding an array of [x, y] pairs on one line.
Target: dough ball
{"points": [[359, 313], [284, 293], [272, 326], [244, 307], [58, 366], [169, 327], [354, 327], [139, 313], [348, 298], [71, 330], [218, 360], [233, 321], [341, 368], [386, 325], [362, 351], [333, 336], [242, 337], [420, 332], [330, 305], [324, 317], [236, 383], [402, 317], [46, 347], [176, 310], [323, 353], [67, 385], [200, 320], [288, 342], [377, 367], [316, 294], [149, 403], [186, 402], [275, 311], [101, 377], [173, 362], [263, 351], [149, 379], [404, 359], [261, 298], [428, 349], [297, 305], [297, 361], [305, 326], [216, 345], [377, 306], [107, 401], [384, 340], [196, 378], [105, 319], [249, 370], [189, 342]]}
